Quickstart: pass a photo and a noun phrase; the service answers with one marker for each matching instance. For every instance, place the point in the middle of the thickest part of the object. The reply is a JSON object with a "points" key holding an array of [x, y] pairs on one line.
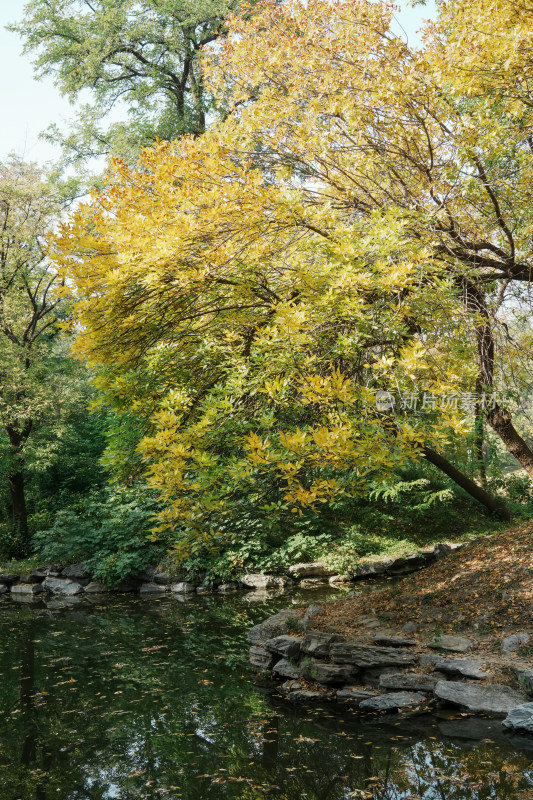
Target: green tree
{"points": [[144, 54], [30, 345]]}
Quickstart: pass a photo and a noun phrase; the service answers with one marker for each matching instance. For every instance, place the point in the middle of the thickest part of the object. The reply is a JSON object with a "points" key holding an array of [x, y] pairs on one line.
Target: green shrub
{"points": [[109, 531]]}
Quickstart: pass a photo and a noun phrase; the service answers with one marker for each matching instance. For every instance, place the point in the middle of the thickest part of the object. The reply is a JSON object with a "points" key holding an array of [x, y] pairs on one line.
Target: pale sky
{"points": [[28, 106]]}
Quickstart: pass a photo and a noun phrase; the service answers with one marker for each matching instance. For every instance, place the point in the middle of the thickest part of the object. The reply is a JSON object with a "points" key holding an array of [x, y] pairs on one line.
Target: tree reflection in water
{"points": [[153, 699]]}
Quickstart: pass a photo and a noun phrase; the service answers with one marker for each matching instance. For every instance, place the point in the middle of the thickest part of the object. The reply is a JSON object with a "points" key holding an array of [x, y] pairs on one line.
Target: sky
{"points": [[29, 106]]}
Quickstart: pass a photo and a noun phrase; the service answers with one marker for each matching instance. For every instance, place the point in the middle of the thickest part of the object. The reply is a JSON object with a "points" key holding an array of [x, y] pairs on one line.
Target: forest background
{"points": [[300, 319]]}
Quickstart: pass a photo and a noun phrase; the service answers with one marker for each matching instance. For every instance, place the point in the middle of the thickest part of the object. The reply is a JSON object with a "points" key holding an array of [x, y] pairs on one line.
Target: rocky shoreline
{"points": [[396, 672], [76, 579]]}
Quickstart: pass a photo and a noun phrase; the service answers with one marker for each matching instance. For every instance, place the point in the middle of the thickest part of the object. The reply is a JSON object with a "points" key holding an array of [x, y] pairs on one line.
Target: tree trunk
{"points": [[21, 536], [498, 418], [477, 492]]}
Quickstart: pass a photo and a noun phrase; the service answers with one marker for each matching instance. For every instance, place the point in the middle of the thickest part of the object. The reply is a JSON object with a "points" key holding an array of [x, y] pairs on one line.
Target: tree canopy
{"points": [[143, 57], [360, 222]]}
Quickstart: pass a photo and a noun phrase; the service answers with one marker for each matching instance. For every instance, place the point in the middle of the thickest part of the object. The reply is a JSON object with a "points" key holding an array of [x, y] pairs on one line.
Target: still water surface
{"points": [[129, 698]]}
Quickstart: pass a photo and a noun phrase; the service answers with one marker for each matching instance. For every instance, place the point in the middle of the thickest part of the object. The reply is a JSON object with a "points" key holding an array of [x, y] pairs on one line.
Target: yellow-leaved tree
{"points": [[354, 225]]}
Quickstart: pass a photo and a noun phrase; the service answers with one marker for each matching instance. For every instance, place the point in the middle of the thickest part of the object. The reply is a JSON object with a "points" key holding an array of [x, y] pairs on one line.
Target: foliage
{"points": [[35, 369], [248, 291], [143, 57], [107, 530]]}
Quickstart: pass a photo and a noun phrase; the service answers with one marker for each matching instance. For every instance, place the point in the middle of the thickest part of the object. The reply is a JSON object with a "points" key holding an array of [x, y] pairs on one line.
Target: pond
{"points": [[129, 698]]}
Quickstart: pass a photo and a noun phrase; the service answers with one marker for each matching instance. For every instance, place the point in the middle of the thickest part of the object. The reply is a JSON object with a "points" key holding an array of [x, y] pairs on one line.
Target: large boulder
{"points": [[308, 696], [466, 667], [315, 569], [277, 625], [370, 570], [410, 563], [328, 674], [286, 669], [368, 656], [393, 701], [318, 644], [261, 658], [408, 681], [388, 639], [183, 587], [62, 586], [520, 718], [286, 646], [260, 581], [491, 699], [454, 644]]}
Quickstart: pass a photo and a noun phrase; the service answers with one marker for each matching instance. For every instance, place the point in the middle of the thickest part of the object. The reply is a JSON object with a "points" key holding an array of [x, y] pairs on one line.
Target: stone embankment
{"points": [[398, 671], [77, 579]]}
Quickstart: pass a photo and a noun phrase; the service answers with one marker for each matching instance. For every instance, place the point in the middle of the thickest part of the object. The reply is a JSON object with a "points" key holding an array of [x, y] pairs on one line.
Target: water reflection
{"points": [[152, 699]]}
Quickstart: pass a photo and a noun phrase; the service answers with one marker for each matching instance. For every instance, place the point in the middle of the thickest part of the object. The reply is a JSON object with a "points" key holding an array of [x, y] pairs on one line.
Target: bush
{"points": [[109, 531]]}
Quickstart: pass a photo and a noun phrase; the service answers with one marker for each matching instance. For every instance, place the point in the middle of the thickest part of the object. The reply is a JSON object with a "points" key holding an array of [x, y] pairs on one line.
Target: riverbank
{"points": [[457, 633]]}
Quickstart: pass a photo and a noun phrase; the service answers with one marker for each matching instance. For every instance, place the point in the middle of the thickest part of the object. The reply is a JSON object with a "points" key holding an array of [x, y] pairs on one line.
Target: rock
{"points": [[4, 589], [368, 621], [227, 588], [286, 646], [491, 699], [286, 669], [310, 583], [369, 656], [393, 701], [26, 578], [454, 644], [328, 674], [409, 563], [318, 644], [260, 581], [38, 575], [525, 678], [27, 588], [409, 681], [94, 587], [441, 550], [410, 627], [512, 643], [288, 685], [369, 570], [334, 579], [520, 718], [316, 569], [373, 675], [162, 577], [151, 588], [204, 590], [387, 639], [183, 588], [308, 696], [62, 586], [8, 578], [76, 571], [261, 658], [466, 667], [351, 694], [276, 625]]}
